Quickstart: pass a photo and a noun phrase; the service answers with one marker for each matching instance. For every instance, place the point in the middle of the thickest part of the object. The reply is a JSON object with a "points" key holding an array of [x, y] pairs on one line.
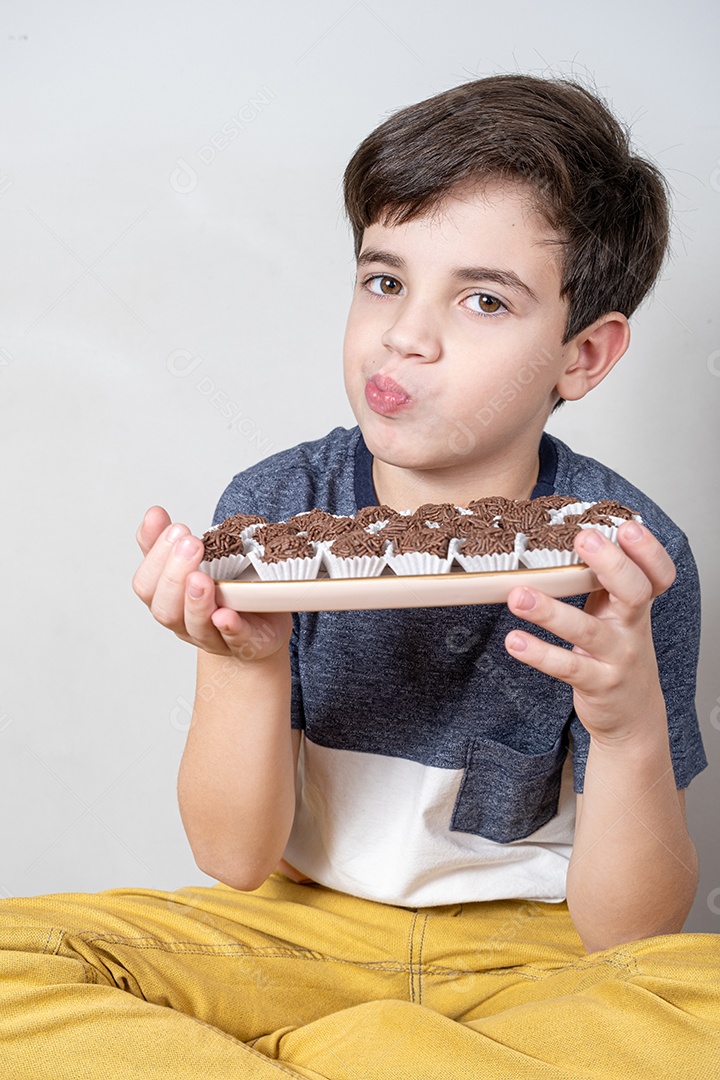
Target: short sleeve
{"points": [[676, 635], [237, 498]]}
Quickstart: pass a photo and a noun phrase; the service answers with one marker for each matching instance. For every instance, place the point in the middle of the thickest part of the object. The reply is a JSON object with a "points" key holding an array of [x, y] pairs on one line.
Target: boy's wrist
{"points": [[633, 763], [233, 678], [640, 739]]}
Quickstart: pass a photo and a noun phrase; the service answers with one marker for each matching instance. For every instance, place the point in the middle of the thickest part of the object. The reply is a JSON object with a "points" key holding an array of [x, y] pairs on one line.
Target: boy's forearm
{"points": [[236, 785], [633, 872]]}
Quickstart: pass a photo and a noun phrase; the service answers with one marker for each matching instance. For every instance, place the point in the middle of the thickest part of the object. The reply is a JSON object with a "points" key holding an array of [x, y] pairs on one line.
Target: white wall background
{"points": [[127, 234]]}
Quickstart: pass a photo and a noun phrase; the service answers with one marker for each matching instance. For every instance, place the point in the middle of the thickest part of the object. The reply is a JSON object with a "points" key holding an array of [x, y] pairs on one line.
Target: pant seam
{"points": [[89, 973], [188, 948], [46, 946], [413, 967], [197, 947], [625, 963], [420, 960], [411, 975]]}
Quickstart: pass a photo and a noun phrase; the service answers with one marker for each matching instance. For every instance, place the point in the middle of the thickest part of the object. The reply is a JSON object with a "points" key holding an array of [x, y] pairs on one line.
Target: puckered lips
{"points": [[385, 396]]}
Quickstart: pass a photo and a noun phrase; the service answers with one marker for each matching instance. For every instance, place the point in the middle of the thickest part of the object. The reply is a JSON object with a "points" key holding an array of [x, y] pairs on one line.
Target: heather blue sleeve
{"points": [[237, 498], [676, 636]]}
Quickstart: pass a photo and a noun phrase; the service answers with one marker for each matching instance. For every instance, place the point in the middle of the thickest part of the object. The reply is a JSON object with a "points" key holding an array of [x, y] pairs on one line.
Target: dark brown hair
{"points": [[608, 207]]}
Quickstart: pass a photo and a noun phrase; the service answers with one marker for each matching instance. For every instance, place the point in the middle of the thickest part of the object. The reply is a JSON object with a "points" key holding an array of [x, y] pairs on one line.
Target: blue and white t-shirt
{"points": [[434, 768]]}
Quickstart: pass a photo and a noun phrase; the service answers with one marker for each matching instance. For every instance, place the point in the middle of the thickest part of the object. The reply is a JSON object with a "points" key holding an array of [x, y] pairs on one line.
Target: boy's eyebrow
{"points": [[460, 273]]}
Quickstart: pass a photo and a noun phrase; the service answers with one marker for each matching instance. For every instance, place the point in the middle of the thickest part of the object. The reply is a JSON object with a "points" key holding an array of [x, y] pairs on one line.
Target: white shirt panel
{"points": [[378, 827]]}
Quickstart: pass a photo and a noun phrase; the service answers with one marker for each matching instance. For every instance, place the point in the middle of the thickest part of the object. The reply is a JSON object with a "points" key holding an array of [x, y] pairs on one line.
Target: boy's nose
{"points": [[414, 334]]}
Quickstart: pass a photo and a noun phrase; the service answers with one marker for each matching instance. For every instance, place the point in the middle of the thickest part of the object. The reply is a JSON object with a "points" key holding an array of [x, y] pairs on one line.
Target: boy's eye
{"points": [[383, 285], [487, 304]]}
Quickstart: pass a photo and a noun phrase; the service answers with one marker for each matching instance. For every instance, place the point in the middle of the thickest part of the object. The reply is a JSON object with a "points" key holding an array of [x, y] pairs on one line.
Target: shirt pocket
{"points": [[505, 794]]}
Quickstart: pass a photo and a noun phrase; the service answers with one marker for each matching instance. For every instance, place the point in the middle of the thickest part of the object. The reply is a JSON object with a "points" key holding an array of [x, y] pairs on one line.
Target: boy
{"points": [[410, 888]]}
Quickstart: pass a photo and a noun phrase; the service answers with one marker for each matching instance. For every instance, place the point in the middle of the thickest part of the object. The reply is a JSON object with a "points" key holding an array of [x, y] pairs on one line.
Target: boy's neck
{"points": [[406, 489]]}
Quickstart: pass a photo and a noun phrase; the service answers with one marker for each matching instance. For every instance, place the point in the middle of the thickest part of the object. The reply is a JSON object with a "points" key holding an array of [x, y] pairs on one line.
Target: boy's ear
{"points": [[592, 354]]}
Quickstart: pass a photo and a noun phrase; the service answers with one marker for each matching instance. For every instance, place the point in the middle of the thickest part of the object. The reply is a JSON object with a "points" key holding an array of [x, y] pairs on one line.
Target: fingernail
{"points": [[592, 540], [526, 600], [632, 532], [186, 549], [175, 533], [195, 592], [516, 643]]}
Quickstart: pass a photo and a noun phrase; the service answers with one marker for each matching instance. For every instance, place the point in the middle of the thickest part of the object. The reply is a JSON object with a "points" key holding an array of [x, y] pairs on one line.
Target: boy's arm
{"points": [[237, 778], [632, 857], [236, 785], [633, 871]]}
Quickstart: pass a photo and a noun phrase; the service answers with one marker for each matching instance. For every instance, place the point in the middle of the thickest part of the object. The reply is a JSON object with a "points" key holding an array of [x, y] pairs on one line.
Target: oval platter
{"points": [[395, 591]]}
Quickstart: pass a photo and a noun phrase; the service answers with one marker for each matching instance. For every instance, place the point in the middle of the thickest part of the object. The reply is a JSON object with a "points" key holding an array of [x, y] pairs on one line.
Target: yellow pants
{"points": [[210, 983]]}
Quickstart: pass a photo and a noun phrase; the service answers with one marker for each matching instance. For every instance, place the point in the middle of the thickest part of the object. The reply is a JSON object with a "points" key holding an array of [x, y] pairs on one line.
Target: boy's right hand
{"points": [[183, 599]]}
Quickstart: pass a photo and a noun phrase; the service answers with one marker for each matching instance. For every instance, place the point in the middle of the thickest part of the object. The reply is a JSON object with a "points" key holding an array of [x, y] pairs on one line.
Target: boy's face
{"points": [[453, 342]]}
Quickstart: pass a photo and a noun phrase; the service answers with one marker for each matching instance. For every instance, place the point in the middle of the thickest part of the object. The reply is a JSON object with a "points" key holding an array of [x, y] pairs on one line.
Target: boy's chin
{"points": [[401, 455]]}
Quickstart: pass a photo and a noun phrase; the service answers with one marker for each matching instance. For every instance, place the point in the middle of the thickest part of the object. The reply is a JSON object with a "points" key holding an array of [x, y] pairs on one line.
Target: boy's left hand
{"points": [[612, 666]]}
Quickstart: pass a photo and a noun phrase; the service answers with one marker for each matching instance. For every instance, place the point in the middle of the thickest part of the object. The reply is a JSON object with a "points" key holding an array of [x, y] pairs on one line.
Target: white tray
{"points": [[391, 591]]}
